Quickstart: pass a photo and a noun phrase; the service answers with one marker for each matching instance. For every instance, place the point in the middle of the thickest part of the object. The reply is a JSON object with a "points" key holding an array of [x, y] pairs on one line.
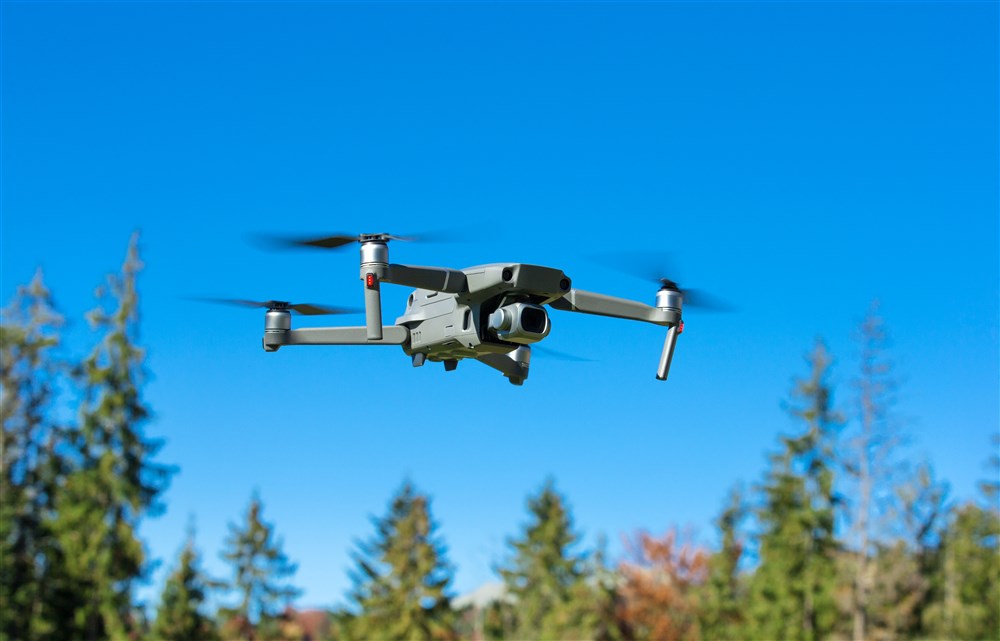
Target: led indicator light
{"points": [[680, 328], [370, 280]]}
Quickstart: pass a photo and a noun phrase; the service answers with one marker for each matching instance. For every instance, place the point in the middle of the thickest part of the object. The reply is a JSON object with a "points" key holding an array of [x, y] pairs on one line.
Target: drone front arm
{"points": [[578, 300], [439, 279], [667, 312]]}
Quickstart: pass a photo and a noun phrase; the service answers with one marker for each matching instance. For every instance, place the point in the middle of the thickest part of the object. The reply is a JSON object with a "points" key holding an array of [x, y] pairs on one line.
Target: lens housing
{"points": [[520, 323]]}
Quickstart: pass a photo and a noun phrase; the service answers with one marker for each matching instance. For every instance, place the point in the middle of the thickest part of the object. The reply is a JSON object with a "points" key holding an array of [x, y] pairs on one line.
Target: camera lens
{"points": [[533, 320]]}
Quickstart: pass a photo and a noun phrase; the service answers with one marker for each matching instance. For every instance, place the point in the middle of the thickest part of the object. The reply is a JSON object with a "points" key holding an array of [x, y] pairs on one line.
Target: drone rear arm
{"points": [[391, 335]]}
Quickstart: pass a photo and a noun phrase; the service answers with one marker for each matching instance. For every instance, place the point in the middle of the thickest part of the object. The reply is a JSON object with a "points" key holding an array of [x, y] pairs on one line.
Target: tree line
{"points": [[840, 537]]}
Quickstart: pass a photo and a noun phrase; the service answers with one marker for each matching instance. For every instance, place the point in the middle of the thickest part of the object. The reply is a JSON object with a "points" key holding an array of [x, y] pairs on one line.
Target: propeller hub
{"points": [[277, 320], [670, 298]]}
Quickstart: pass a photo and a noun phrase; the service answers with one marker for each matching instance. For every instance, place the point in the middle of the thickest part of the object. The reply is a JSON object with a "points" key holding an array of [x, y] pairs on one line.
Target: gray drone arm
{"points": [[439, 279], [585, 302], [275, 338], [578, 300]]}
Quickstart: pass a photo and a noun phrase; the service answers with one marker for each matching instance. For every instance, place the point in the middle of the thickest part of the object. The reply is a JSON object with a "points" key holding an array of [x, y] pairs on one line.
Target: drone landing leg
{"points": [[668, 353], [373, 311]]}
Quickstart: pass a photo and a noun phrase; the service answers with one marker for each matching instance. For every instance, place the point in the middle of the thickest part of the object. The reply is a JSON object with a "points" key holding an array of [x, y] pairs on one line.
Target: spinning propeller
{"points": [[652, 267], [306, 309]]}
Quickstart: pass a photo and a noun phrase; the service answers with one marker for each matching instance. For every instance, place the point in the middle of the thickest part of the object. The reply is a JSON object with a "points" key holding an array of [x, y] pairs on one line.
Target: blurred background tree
{"points": [[33, 466], [402, 575], [722, 597], [659, 587], [261, 572], [181, 614], [792, 589], [116, 482], [542, 574]]}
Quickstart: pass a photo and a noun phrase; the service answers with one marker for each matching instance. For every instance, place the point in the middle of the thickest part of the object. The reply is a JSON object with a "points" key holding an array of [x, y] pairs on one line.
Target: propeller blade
{"points": [[704, 301], [652, 266], [309, 309], [306, 309], [333, 241], [324, 242], [338, 240]]}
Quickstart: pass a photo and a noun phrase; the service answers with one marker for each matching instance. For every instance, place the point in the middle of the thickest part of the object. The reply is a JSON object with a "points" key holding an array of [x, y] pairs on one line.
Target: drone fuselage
{"points": [[450, 327]]}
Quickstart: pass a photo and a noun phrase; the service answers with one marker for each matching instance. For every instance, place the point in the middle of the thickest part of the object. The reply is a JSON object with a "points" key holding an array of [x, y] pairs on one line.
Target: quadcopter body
{"points": [[490, 313]]}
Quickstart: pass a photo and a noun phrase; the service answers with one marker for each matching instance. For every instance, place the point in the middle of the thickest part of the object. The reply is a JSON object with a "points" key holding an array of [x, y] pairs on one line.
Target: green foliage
{"points": [[792, 590], [965, 581], [33, 464], [722, 599], [543, 575], [260, 574], [115, 482], [401, 579], [73, 494], [180, 616]]}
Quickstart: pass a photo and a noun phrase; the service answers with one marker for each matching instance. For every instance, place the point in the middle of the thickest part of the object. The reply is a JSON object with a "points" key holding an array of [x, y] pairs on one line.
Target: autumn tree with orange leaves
{"points": [[659, 584]]}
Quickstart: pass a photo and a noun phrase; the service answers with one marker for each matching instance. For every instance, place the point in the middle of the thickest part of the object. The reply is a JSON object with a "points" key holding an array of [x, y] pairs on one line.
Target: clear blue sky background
{"points": [[799, 159]]}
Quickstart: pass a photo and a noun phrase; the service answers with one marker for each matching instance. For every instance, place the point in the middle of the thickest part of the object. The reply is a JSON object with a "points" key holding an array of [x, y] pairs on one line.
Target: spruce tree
{"points": [[260, 575], [723, 595], [792, 590], [402, 576], [181, 616], [34, 598], [965, 601], [116, 482], [542, 573]]}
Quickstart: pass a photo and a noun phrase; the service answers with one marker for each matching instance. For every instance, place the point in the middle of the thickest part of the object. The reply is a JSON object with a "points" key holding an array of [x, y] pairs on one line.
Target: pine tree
{"points": [[260, 575], [181, 616], [598, 599], [723, 596], [965, 601], [33, 465], [792, 590], [402, 576], [117, 482], [542, 572]]}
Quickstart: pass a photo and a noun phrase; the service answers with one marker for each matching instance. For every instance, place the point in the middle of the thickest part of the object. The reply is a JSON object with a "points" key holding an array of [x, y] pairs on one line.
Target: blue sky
{"points": [[797, 159]]}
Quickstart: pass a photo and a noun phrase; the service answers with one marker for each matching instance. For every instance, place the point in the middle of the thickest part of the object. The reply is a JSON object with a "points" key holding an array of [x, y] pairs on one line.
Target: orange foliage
{"points": [[659, 579]]}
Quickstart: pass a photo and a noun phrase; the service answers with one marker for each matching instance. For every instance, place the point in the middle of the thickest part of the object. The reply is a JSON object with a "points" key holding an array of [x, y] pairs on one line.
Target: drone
{"points": [[489, 313]]}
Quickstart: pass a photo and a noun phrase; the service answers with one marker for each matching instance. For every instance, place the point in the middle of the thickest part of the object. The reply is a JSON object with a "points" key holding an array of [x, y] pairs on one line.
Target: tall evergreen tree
{"points": [[33, 465], [598, 600], [542, 573], [117, 482], [260, 575], [722, 601], [792, 590], [965, 584], [402, 576], [181, 616]]}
